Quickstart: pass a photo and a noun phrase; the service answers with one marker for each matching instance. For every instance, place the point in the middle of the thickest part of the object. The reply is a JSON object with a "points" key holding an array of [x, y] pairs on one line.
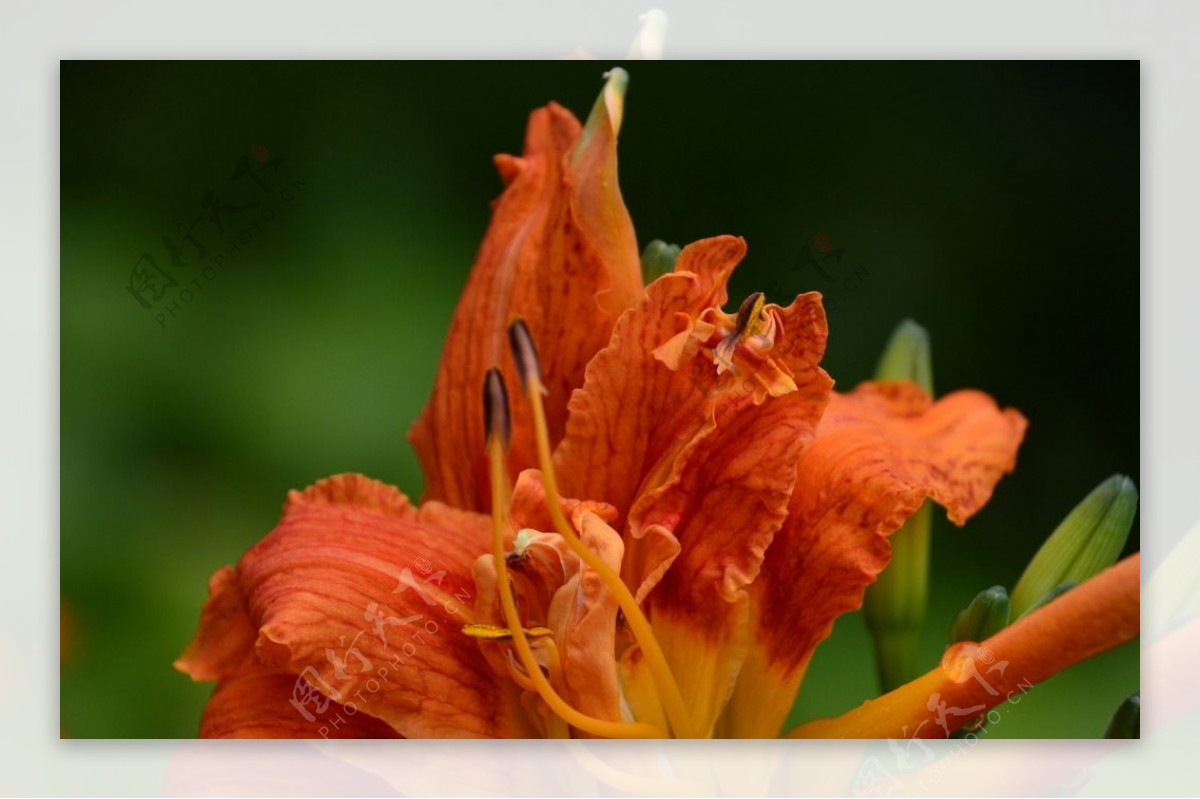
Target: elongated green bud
{"points": [[1086, 543], [895, 604], [908, 356], [658, 259], [1054, 594], [1127, 721], [987, 615]]}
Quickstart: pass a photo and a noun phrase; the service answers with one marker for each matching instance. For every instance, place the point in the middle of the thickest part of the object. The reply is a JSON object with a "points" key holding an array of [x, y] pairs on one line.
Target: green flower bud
{"points": [[1087, 542], [1126, 722], [908, 356], [1054, 594], [658, 259], [987, 615], [895, 604]]}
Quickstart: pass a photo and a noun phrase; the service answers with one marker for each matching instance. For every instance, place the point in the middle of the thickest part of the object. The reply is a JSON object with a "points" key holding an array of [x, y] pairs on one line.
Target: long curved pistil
{"points": [[497, 416], [528, 366]]}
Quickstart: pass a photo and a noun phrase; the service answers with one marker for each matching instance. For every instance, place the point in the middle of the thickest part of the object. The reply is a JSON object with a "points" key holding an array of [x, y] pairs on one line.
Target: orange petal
{"points": [[1101, 613], [700, 473], [528, 507], [363, 596], [708, 476], [880, 451], [560, 251], [726, 505], [634, 414], [583, 615], [224, 644], [259, 705], [556, 590], [730, 486]]}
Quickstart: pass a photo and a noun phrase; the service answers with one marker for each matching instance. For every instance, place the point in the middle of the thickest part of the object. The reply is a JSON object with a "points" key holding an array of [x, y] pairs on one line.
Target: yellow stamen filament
{"points": [[558, 729], [578, 720], [668, 689], [553, 664]]}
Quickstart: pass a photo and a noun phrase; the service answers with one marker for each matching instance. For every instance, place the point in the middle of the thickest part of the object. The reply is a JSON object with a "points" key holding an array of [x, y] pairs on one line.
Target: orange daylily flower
{"points": [[650, 540]]}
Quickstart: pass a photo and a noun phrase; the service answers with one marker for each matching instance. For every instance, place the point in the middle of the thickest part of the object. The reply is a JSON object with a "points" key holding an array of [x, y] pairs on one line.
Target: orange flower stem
{"points": [[578, 720], [1098, 615], [668, 689]]}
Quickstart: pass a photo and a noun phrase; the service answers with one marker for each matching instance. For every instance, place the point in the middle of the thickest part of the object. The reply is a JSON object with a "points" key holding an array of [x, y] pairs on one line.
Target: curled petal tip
{"points": [[607, 112], [613, 96]]}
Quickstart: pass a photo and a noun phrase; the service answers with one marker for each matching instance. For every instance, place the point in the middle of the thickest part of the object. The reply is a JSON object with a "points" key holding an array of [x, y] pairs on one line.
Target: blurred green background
{"points": [[996, 203]]}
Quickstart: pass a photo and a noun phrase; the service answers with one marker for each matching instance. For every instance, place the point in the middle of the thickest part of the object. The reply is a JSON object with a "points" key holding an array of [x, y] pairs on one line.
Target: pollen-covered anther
{"points": [[753, 328], [749, 316], [493, 632]]}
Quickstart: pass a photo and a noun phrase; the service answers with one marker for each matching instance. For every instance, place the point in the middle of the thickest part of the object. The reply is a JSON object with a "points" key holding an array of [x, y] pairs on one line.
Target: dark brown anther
{"points": [[497, 421], [524, 352]]}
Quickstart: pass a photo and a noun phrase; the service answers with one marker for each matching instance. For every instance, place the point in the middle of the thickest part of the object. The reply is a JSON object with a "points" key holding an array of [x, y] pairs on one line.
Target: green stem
{"points": [[895, 605]]}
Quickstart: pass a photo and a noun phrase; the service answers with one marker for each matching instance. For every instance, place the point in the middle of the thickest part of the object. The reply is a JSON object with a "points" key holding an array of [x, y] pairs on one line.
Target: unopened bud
{"points": [[1127, 721], [987, 615], [1086, 543], [908, 356], [658, 259], [895, 605]]}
